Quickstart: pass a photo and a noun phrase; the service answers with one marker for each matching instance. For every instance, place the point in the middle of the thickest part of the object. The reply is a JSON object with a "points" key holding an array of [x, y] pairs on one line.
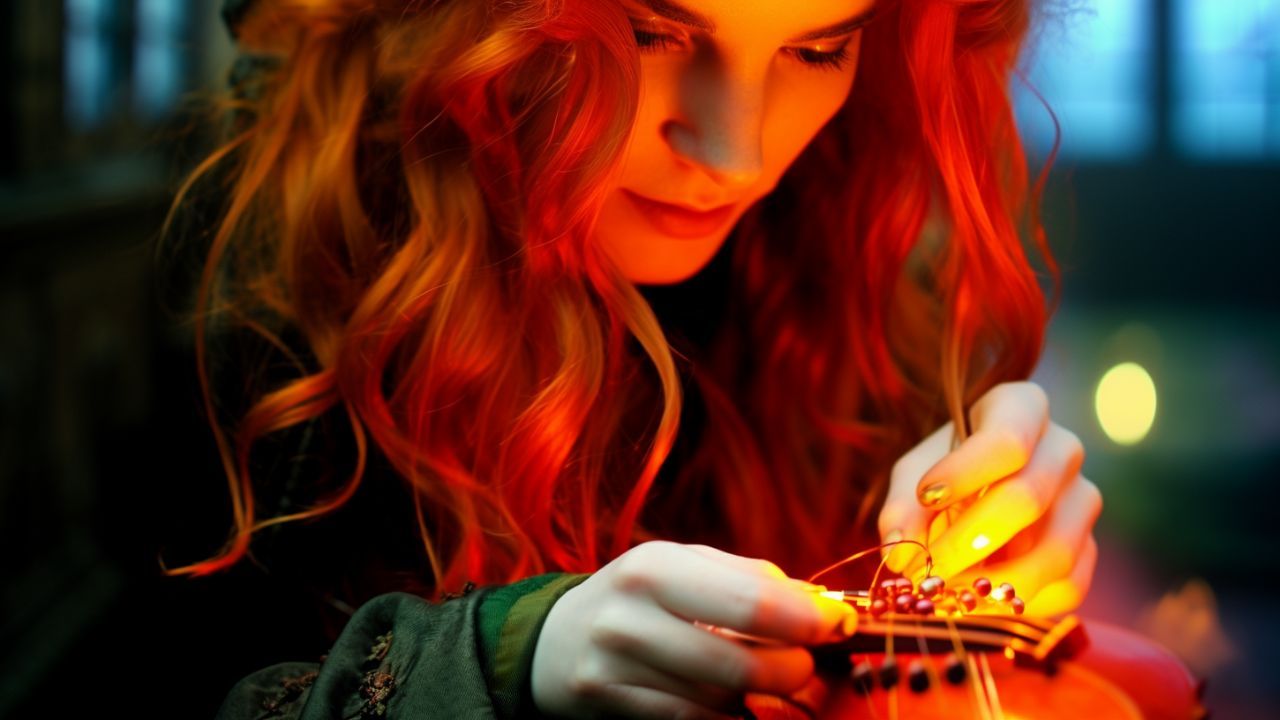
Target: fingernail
{"points": [[935, 493], [836, 611]]}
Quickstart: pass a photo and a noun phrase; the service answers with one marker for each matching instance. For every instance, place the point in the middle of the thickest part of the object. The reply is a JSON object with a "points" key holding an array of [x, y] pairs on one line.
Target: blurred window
{"points": [[1227, 78], [108, 49], [159, 57], [90, 63], [1094, 67]]}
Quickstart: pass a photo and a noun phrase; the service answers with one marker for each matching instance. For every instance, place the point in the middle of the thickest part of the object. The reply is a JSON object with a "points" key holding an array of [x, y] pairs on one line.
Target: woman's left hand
{"points": [[1033, 525]]}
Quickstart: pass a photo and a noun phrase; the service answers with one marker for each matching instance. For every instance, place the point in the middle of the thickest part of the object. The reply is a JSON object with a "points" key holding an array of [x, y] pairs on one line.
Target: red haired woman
{"points": [[648, 304]]}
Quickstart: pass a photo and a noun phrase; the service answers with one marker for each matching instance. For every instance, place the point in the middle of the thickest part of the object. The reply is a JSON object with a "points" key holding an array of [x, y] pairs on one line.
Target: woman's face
{"points": [[731, 92]]}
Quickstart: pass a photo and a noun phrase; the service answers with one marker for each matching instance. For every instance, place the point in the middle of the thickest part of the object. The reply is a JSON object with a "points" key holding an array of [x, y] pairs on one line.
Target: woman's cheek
{"points": [[805, 101]]}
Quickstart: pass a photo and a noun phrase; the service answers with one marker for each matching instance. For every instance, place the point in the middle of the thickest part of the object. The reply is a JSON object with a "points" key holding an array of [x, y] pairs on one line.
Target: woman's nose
{"points": [[721, 124]]}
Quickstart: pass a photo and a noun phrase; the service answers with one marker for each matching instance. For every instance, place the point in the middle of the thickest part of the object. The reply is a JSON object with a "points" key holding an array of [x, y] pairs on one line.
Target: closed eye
{"points": [[651, 41], [835, 59]]}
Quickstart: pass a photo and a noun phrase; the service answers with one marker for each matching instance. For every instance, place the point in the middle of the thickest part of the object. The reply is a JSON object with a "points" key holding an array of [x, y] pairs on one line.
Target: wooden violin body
{"points": [[1011, 668]]}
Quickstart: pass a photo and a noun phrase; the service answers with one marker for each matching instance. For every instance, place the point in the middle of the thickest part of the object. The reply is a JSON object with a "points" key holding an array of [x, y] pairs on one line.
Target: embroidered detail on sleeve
{"points": [[376, 689], [466, 590], [377, 684], [380, 647], [291, 689]]}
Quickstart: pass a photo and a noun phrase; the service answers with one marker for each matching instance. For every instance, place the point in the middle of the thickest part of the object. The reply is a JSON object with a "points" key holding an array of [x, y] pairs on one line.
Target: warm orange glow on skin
{"points": [[721, 117], [987, 525], [448, 283]]}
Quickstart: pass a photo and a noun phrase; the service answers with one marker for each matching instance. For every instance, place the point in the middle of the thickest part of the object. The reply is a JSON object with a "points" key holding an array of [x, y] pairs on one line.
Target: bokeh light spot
{"points": [[1126, 403]]}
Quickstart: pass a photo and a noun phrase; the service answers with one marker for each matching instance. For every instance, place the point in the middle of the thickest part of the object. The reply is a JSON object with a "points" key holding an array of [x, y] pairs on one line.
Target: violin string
{"points": [[979, 691], [888, 634], [871, 706], [957, 643], [990, 682], [982, 683], [934, 680], [863, 553]]}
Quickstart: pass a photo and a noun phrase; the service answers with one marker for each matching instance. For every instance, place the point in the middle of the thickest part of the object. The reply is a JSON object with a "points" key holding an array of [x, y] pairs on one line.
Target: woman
{"points": [[481, 219]]}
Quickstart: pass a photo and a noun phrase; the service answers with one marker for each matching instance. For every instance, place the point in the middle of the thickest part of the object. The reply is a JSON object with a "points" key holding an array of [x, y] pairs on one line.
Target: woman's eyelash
{"points": [[649, 41], [653, 41], [835, 60]]}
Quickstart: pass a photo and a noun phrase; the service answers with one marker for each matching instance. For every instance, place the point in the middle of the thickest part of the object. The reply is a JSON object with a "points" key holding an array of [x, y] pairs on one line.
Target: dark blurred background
{"points": [[1162, 207]]}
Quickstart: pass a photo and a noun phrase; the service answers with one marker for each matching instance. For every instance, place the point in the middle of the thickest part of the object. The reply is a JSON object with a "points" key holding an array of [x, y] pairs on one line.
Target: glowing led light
{"points": [[1126, 403], [980, 542]]}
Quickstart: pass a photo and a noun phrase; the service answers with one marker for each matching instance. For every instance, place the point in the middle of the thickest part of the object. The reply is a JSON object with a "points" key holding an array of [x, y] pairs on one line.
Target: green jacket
{"points": [[401, 656]]}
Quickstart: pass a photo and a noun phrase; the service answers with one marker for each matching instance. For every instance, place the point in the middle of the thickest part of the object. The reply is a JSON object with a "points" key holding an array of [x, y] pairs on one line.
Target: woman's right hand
{"points": [[624, 642]]}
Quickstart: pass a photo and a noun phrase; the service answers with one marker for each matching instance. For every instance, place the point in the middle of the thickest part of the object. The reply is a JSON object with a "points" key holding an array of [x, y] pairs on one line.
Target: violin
{"points": [[946, 655]]}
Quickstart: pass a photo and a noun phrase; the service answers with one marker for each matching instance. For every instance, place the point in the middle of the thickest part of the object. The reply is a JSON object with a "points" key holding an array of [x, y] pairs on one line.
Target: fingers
{"points": [[627, 671], [1007, 508], [902, 517], [693, 586], [752, 565], [1008, 423], [1063, 543], [1063, 596], [648, 704], [676, 648]]}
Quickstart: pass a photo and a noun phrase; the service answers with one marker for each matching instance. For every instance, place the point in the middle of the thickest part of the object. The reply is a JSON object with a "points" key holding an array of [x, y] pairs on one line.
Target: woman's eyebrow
{"points": [[844, 27], [678, 13]]}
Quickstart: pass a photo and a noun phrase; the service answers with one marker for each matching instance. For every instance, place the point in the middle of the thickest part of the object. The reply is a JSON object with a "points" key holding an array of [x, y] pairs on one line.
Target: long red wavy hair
{"points": [[414, 190]]}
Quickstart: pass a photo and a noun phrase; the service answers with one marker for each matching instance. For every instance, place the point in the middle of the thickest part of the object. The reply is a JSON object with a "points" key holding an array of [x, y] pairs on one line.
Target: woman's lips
{"points": [[680, 222]]}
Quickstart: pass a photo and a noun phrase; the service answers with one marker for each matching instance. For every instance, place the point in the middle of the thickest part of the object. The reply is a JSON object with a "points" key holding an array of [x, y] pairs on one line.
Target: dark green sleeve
{"points": [[401, 656], [511, 619]]}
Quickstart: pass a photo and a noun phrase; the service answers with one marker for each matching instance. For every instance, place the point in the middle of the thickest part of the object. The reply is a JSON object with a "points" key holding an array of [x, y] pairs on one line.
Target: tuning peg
{"points": [[917, 676]]}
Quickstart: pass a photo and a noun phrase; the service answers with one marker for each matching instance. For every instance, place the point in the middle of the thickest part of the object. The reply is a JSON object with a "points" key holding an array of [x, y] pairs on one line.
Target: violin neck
{"points": [[1028, 641]]}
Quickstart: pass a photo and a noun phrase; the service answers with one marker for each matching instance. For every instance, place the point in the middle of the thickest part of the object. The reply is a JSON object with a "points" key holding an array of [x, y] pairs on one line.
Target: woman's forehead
{"points": [[787, 20]]}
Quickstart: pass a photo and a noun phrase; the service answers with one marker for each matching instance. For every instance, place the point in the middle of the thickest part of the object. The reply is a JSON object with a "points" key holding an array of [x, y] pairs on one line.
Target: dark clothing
{"points": [[399, 655], [403, 657]]}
